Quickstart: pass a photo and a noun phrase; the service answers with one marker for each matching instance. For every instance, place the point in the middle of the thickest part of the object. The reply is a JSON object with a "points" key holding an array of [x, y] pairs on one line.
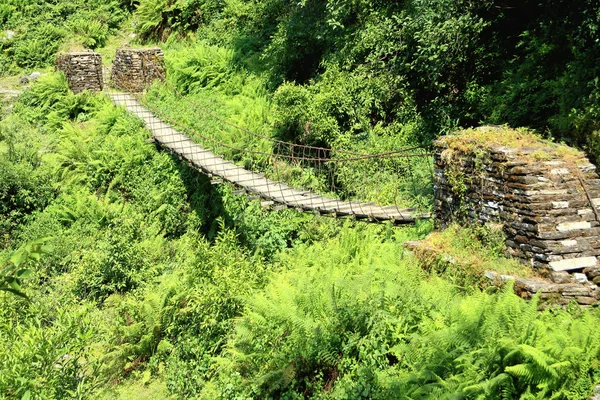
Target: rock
{"points": [[573, 263], [491, 275], [571, 226], [586, 300], [34, 76], [577, 290], [580, 278], [596, 392], [9, 34], [560, 277], [592, 272], [8, 93], [596, 280]]}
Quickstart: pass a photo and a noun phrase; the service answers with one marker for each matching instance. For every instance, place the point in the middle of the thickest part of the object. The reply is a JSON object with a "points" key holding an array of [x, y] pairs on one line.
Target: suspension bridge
{"points": [[209, 158]]}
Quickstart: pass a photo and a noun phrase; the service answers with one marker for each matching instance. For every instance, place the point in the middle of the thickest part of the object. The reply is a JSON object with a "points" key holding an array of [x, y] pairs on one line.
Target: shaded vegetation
{"points": [[144, 280], [411, 70]]}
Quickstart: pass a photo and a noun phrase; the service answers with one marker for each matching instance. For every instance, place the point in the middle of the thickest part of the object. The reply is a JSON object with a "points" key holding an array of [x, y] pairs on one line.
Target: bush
{"points": [[38, 47], [50, 103], [45, 357], [23, 190], [24, 186], [201, 67]]}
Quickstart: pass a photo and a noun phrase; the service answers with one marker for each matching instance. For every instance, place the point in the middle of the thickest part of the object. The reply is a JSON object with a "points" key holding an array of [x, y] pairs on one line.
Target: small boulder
{"points": [[580, 278], [586, 300], [34, 76], [560, 277], [596, 395]]}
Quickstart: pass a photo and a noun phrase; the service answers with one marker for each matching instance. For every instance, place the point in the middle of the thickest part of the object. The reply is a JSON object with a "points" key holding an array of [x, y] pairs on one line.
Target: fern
{"points": [[144, 337]]}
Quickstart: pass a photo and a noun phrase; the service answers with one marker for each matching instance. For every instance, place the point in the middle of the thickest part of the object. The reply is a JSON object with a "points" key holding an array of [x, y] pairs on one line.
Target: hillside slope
{"points": [[143, 280]]}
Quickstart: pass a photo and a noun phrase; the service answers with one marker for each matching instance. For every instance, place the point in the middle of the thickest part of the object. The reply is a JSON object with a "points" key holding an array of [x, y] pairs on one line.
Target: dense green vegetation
{"points": [[125, 274], [344, 70], [147, 281], [40, 28]]}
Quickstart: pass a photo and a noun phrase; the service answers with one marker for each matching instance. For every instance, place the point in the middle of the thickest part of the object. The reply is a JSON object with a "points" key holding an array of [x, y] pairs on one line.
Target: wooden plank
{"points": [[278, 195], [320, 203]]}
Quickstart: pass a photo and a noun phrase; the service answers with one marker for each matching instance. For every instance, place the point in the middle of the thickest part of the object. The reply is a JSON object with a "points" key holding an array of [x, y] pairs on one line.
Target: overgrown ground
{"points": [[158, 284], [146, 281]]}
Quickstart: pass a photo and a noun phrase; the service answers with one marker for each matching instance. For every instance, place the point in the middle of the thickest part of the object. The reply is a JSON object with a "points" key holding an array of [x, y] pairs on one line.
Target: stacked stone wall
{"points": [[544, 197], [134, 69], [82, 69]]}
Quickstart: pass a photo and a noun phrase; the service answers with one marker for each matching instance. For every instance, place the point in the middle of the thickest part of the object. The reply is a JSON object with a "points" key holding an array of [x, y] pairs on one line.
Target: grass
{"points": [[466, 253], [10, 82], [535, 147], [137, 388]]}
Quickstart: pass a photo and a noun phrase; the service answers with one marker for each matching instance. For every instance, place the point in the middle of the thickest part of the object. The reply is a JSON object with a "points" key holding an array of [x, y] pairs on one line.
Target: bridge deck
{"points": [[272, 192]]}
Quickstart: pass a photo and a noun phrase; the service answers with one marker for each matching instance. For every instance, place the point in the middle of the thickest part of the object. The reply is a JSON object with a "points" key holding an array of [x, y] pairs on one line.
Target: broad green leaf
{"points": [[24, 273], [14, 291]]}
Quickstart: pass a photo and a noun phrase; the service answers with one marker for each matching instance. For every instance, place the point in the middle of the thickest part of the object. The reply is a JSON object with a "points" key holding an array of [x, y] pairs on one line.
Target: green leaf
{"points": [[146, 376], [47, 248], [24, 273], [14, 291], [18, 258]]}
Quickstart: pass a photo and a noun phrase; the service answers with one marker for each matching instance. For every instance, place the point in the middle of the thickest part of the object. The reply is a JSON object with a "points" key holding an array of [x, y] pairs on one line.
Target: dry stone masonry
{"points": [[545, 195], [82, 69], [134, 69]]}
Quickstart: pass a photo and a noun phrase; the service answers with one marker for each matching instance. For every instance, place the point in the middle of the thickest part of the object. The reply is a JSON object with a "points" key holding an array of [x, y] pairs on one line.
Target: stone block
{"points": [[586, 300], [580, 278], [560, 277], [560, 204], [573, 263], [571, 226]]}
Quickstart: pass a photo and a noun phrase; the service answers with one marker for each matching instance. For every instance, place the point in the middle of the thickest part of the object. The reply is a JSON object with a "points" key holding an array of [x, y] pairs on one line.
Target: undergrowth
{"points": [[160, 284], [40, 28], [464, 254]]}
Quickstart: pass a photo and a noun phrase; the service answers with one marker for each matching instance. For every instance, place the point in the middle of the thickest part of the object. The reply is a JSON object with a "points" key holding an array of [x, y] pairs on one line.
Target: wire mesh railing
{"points": [[378, 186]]}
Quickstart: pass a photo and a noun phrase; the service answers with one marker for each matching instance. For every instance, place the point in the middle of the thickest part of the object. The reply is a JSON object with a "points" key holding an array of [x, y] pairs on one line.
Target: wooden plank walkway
{"points": [[273, 193]]}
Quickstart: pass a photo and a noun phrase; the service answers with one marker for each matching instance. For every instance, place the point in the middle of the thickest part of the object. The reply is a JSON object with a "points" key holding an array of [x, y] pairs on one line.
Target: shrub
{"points": [[118, 262], [93, 33]]}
